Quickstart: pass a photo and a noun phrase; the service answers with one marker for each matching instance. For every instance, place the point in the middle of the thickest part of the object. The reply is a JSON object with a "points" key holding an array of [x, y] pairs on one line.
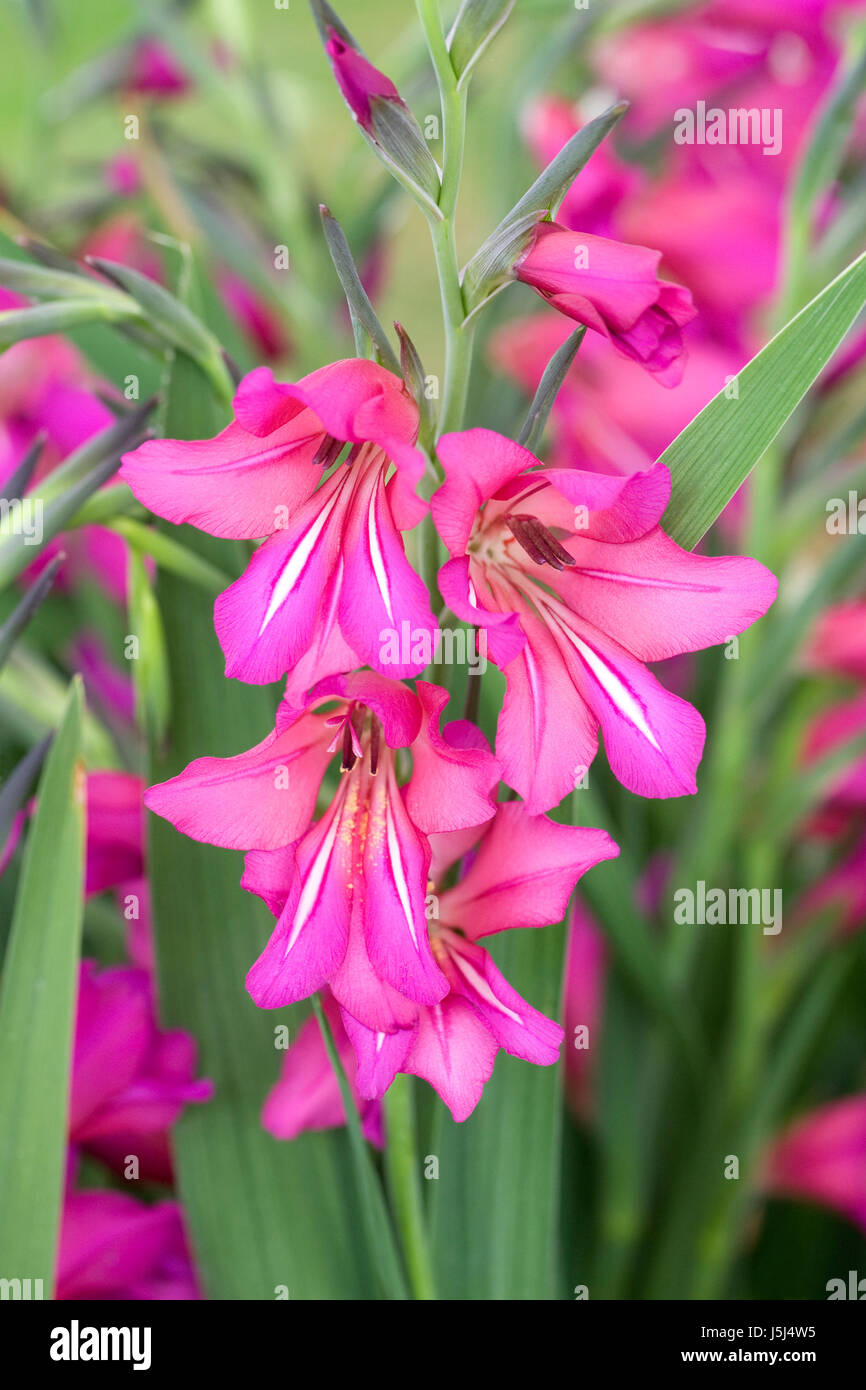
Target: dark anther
{"points": [[374, 745], [540, 544], [349, 756], [328, 451], [353, 454]]}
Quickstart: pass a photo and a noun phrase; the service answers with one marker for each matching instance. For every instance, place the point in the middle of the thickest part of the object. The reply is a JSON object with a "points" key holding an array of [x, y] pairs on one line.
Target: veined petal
{"points": [[266, 620], [261, 799], [660, 600], [523, 872], [547, 736], [310, 938], [237, 484], [455, 1052], [384, 605], [477, 464], [515, 1025], [396, 864], [505, 636], [379, 1055], [454, 779], [653, 739]]}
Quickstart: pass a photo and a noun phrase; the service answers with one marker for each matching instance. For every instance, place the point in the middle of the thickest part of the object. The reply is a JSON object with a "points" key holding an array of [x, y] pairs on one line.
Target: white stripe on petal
{"points": [[296, 563], [377, 557]]}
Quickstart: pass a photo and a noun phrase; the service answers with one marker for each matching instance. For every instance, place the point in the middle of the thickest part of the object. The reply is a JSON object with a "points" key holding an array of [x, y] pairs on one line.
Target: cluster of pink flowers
{"points": [[574, 584]]}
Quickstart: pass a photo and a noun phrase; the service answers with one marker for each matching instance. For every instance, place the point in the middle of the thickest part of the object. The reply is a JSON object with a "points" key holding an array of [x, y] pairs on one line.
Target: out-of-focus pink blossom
{"points": [[130, 1079], [822, 1158], [114, 1247]]}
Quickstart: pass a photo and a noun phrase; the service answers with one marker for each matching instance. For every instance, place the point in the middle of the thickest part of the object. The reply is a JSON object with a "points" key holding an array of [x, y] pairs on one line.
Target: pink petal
{"points": [[523, 872], [660, 600], [455, 1052], [514, 1024], [261, 799], [237, 484], [453, 780]]}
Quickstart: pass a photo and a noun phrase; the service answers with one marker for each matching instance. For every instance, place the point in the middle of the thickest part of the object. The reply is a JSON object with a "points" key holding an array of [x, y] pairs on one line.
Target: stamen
{"points": [[349, 755], [328, 451], [353, 454], [540, 544], [374, 745]]}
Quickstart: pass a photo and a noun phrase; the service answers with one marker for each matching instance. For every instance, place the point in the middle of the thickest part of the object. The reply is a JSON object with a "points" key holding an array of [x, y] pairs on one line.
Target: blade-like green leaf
{"points": [[494, 1208], [262, 1214], [18, 620], [548, 388], [711, 458], [37, 1003], [360, 308]]}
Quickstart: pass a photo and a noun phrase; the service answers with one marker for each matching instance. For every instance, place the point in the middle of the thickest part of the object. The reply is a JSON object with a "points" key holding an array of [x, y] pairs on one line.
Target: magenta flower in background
{"points": [[822, 1158], [317, 596], [154, 71], [349, 890], [130, 1079], [114, 1247], [614, 289], [617, 593]]}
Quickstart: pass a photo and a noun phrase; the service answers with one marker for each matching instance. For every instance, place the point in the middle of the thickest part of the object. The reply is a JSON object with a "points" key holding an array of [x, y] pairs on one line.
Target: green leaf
{"points": [[477, 24], [262, 1213], [17, 621], [712, 457], [548, 388], [360, 308], [494, 1208], [37, 1007], [60, 316]]}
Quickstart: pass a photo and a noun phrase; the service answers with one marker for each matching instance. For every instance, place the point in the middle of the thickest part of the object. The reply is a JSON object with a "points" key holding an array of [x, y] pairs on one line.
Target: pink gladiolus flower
{"points": [[822, 1158], [521, 874], [114, 1247], [614, 289], [317, 597], [617, 593], [307, 1096], [130, 1080], [349, 890]]}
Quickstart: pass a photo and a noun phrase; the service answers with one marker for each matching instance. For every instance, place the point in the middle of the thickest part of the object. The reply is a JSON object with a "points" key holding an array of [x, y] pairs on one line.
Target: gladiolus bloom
{"points": [[578, 586], [350, 889], [822, 1158], [316, 598]]}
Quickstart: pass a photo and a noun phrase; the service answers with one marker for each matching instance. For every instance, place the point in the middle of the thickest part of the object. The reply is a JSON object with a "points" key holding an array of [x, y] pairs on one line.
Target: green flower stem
{"points": [[404, 1186], [380, 1236]]}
